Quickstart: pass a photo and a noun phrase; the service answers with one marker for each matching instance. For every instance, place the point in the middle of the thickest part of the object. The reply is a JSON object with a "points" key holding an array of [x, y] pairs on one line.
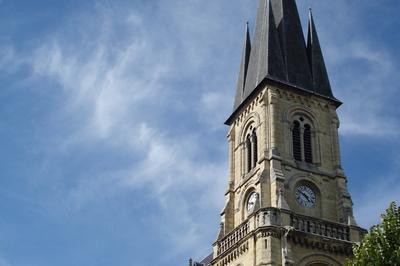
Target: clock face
{"points": [[305, 196], [251, 203]]}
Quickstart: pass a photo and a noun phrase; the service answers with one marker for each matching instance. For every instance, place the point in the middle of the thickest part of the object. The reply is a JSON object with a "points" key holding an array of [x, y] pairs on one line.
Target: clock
{"points": [[251, 202], [305, 196]]}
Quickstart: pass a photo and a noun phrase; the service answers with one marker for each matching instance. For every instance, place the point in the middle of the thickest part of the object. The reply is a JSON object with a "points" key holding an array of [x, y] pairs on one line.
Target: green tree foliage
{"points": [[381, 246]]}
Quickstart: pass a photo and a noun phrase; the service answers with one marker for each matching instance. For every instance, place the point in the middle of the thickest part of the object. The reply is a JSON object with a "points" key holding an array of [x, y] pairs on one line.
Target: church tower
{"points": [[287, 201]]}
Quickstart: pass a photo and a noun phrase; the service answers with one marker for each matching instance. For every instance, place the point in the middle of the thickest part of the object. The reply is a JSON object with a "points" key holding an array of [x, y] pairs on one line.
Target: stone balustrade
{"points": [[233, 238], [320, 227]]}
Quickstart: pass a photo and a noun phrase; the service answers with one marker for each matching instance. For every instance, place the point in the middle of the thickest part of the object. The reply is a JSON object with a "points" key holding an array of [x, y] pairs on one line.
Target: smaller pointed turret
{"points": [[243, 68], [320, 77]]}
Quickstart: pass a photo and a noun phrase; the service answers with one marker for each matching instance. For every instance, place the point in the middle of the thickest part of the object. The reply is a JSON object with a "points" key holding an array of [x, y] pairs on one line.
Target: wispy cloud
{"points": [[375, 199], [115, 92], [363, 71], [369, 88], [8, 60]]}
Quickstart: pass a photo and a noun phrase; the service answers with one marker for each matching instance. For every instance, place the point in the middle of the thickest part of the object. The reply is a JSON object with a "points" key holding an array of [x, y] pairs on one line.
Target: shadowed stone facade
{"points": [[287, 201]]}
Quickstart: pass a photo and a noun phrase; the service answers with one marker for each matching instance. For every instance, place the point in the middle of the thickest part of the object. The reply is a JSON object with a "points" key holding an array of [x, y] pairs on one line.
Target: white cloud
{"points": [[115, 90], [363, 71], [368, 91], [9, 62], [375, 199]]}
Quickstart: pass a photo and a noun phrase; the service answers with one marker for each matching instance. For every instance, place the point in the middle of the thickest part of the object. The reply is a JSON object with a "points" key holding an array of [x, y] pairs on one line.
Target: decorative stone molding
{"points": [[332, 246], [268, 217], [319, 258], [249, 108], [234, 255]]}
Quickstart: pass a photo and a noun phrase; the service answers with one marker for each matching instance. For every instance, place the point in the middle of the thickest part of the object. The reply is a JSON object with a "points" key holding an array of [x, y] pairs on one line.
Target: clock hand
{"points": [[306, 196]]}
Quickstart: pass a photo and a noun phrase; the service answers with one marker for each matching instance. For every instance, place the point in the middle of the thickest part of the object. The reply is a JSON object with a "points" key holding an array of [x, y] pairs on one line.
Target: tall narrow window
{"points": [[248, 153], [296, 141], [255, 148], [308, 156]]}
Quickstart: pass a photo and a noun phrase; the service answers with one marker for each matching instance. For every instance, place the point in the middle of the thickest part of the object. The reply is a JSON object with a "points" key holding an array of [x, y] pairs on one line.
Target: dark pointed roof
{"points": [[206, 261], [291, 36], [321, 82], [266, 56], [243, 68], [279, 54]]}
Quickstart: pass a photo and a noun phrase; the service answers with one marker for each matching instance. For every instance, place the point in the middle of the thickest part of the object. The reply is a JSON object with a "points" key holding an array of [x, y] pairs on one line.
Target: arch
{"points": [[249, 143], [251, 184], [249, 192], [311, 184], [291, 113], [304, 145], [252, 119], [297, 180], [244, 198], [319, 260], [292, 180]]}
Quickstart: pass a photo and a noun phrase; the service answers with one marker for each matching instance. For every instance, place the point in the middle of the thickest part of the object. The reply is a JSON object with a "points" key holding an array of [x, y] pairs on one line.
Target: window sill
{"points": [[250, 174]]}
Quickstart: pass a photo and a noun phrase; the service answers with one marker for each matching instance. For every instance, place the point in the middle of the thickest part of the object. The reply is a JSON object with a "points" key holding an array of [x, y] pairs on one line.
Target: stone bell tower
{"points": [[287, 201]]}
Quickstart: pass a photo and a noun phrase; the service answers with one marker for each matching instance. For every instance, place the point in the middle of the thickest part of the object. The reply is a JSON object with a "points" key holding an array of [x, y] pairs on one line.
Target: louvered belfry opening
{"points": [[296, 141], [248, 152], [255, 148], [308, 156]]}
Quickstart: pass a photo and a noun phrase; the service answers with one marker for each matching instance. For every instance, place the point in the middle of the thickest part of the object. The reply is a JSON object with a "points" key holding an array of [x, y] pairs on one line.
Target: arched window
{"points": [[296, 141], [248, 153], [255, 148], [308, 156], [302, 138]]}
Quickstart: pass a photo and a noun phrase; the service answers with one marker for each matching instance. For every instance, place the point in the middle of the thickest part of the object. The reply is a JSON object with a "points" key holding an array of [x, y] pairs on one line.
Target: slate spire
{"points": [[292, 41], [243, 68], [279, 53], [266, 58], [321, 82]]}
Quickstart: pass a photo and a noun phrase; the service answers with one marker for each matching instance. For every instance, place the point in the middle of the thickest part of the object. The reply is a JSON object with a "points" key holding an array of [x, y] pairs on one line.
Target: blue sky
{"points": [[113, 148]]}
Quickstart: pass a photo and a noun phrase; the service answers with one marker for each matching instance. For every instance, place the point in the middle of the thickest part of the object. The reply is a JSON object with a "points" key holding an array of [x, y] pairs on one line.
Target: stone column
{"points": [[273, 114], [242, 159], [253, 155], [232, 164], [335, 142], [303, 158]]}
